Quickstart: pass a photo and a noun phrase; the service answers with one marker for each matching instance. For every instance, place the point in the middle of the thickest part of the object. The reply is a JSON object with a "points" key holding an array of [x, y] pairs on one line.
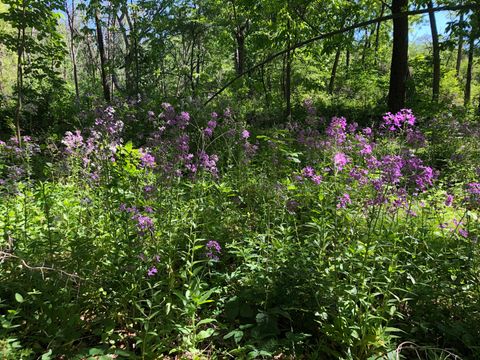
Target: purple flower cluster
{"points": [[211, 125], [343, 201], [337, 130], [309, 173], [73, 141], [143, 223], [340, 160], [397, 121], [208, 162], [213, 250], [473, 194], [146, 159]]}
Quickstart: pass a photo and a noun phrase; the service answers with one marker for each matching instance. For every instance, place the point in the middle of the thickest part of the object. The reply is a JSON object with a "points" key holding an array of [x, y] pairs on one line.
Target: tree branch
{"points": [[337, 32]]}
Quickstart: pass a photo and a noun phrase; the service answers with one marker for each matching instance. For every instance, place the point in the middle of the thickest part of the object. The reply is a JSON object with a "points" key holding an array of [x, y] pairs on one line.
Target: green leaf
{"points": [[205, 334], [19, 298]]}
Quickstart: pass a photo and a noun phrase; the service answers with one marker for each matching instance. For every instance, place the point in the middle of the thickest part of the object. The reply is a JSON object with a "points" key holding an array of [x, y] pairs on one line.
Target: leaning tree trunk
{"points": [[468, 84], [436, 54], [399, 66], [333, 75], [460, 48], [103, 59]]}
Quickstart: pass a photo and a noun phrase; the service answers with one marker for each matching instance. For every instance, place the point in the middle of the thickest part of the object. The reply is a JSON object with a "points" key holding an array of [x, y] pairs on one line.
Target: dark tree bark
{"points": [[399, 66], [103, 59], [460, 48], [468, 83], [331, 84], [377, 33], [436, 54], [240, 51]]}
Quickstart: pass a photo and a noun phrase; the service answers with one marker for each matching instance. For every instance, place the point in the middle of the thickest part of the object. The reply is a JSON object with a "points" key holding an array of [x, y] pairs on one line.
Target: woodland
{"points": [[239, 179]]}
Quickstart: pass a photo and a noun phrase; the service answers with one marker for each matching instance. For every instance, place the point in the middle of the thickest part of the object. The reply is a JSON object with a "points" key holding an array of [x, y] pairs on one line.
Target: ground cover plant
{"points": [[238, 179], [320, 239]]}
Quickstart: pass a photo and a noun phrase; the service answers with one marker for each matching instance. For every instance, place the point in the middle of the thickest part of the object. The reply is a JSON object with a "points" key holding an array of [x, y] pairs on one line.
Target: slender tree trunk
{"points": [[468, 84], [366, 45], [103, 60], [460, 48], [18, 111], [377, 33], [240, 52], [20, 53], [265, 90], [399, 66], [436, 54], [288, 78], [71, 27], [288, 85], [331, 84], [347, 62]]}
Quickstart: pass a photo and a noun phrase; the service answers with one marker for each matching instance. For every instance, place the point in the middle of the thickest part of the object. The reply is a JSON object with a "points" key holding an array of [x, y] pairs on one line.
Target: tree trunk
{"points": [[331, 84], [347, 62], [377, 35], [468, 84], [436, 54], [288, 78], [399, 66], [71, 26], [460, 48], [288, 85], [20, 52], [18, 111], [240, 52], [103, 60]]}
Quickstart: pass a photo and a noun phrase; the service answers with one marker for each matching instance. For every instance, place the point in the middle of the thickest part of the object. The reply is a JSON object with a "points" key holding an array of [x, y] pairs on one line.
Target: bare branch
{"points": [[4, 255]]}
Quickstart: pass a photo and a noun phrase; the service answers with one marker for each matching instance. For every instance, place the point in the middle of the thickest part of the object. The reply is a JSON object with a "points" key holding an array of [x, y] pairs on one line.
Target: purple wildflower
{"points": [[449, 200], [340, 160], [245, 134], [317, 179], [308, 172], [213, 250], [208, 132], [144, 223], [72, 141], [146, 159], [395, 121], [336, 129], [463, 233], [152, 271], [343, 201]]}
